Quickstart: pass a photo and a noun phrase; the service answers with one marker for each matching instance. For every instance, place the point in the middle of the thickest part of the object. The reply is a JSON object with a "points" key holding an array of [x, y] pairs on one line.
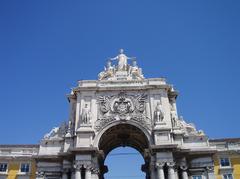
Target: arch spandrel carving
{"points": [[122, 106]]}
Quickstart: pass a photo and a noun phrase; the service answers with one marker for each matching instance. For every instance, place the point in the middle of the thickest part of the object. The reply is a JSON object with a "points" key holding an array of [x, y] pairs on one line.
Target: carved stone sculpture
{"points": [[52, 133], [108, 71], [135, 71], [57, 132], [86, 115], [174, 119], [158, 113], [104, 103], [69, 129], [123, 70], [121, 107], [122, 60]]}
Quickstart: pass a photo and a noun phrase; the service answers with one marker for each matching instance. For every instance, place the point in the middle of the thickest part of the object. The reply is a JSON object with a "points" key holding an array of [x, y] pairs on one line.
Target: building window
{"points": [[225, 162], [3, 167], [197, 177], [227, 176], [25, 167]]}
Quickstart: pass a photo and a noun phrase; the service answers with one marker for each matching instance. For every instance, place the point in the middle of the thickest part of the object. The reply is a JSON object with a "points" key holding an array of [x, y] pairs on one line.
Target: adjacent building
{"points": [[227, 158], [17, 161]]}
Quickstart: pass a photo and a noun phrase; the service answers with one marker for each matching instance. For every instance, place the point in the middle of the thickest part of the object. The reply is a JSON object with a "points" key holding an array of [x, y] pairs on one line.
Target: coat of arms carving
{"points": [[121, 107]]}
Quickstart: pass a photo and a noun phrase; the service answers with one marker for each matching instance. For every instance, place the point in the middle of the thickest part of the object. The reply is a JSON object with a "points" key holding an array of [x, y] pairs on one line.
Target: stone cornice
{"points": [[164, 147], [48, 158], [224, 140], [85, 150], [117, 88], [23, 146], [24, 157], [152, 83], [202, 151]]}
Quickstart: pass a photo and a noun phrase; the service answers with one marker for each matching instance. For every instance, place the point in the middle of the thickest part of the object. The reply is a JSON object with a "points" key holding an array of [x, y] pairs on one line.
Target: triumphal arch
{"points": [[123, 108]]}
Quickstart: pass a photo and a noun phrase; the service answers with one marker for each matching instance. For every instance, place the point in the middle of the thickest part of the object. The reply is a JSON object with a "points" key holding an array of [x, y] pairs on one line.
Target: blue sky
{"points": [[47, 45]]}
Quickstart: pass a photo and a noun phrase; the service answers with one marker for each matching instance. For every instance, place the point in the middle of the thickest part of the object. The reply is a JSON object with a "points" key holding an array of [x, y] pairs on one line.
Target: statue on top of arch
{"points": [[122, 70]]}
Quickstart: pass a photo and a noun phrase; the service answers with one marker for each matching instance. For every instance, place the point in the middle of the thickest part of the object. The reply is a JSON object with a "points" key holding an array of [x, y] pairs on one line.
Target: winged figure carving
{"points": [[104, 102], [140, 102]]}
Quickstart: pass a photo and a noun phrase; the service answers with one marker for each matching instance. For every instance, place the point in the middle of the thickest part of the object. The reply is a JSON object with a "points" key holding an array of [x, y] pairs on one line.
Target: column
{"points": [[171, 172], [88, 172], [184, 172], [78, 172], [160, 171], [64, 174]]}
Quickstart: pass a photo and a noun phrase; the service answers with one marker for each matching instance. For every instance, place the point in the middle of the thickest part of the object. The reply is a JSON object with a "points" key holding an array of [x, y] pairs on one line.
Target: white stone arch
{"points": [[110, 137], [145, 131]]}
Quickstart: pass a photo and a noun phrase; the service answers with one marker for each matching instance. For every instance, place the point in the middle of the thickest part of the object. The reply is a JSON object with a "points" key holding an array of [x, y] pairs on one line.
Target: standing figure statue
{"points": [[158, 113], [122, 60], [174, 119], [86, 115]]}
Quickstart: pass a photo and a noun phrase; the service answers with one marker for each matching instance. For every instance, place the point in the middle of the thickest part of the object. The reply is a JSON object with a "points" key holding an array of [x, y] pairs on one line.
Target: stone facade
{"points": [[17, 162], [122, 108], [227, 158]]}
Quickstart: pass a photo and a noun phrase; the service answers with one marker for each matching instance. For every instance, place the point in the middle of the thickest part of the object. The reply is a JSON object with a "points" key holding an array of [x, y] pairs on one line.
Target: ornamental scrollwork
{"points": [[121, 107]]}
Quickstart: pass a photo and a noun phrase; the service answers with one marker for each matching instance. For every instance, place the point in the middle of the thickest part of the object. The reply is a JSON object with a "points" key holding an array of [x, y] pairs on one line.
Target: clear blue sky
{"points": [[47, 45]]}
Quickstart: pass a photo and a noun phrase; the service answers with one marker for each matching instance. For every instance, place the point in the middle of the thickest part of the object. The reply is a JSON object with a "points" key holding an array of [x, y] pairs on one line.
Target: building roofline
{"points": [[19, 146], [225, 140]]}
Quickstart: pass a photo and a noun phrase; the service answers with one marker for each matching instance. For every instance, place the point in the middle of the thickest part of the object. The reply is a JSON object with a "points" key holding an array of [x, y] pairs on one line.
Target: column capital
{"points": [[183, 167], [88, 166], [160, 164], [95, 170], [77, 165], [171, 164]]}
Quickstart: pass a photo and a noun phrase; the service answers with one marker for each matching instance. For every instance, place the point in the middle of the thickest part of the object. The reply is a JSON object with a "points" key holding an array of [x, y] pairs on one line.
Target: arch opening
{"points": [[120, 136], [124, 163]]}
